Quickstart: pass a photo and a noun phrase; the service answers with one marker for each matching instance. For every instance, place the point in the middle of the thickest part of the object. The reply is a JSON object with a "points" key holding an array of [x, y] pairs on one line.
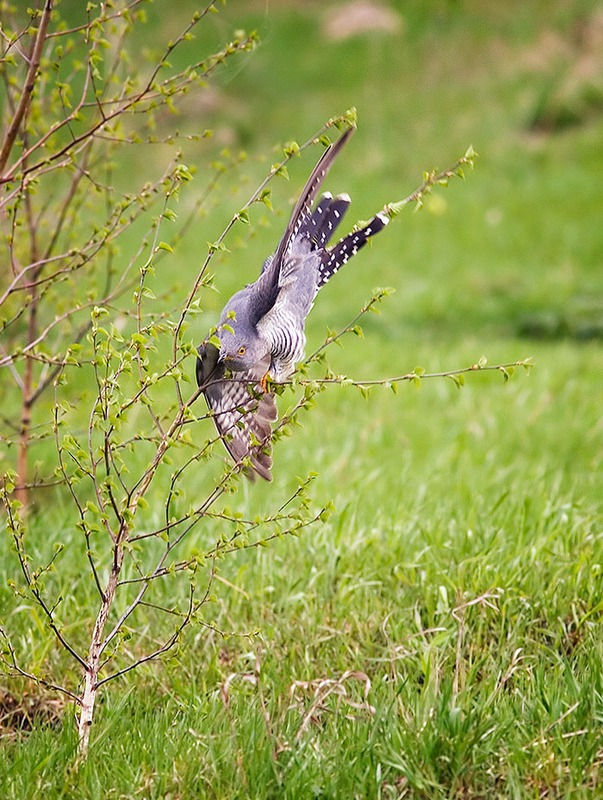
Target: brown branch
{"points": [[30, 82], [100, 20], [27, 391], [125, 104]]}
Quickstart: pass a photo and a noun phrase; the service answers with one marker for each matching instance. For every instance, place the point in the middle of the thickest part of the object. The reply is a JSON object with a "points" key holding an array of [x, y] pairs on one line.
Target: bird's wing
{"points": [[303, 207], [242, 411], [265, 291]]}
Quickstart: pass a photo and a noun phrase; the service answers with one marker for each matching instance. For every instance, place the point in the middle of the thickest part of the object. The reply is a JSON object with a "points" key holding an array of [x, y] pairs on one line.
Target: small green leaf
{"points": [[182, 172], [215, 246], [458, 380], [265, 198], [280, 169], [527, 363], [291, 149]]}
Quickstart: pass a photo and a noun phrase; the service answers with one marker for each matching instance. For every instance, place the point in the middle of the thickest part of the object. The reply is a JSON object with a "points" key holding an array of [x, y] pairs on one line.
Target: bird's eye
{"points": [[241, 351]]}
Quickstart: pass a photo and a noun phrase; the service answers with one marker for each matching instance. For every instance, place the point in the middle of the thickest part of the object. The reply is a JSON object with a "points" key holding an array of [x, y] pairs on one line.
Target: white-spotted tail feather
{"points": [[340, 254]]}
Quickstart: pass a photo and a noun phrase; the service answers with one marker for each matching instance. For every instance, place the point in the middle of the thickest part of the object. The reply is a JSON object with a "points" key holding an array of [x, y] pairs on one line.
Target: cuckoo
{"points": [[261, 329]]}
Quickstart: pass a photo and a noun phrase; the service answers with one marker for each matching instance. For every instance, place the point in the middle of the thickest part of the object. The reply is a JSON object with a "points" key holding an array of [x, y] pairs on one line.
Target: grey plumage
{"points": [[242, 411], [261, 329]]}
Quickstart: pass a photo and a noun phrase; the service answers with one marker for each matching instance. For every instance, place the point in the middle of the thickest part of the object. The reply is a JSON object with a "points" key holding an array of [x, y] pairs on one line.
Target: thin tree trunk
{"points": [[88, 697], [87, 711], [21, 490], [96, 648]]}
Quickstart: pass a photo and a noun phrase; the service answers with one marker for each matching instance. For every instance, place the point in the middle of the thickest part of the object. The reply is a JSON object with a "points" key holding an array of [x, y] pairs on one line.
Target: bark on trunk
{"points": [[21, 489], [96, 649], [92, 669], [87, 711]]}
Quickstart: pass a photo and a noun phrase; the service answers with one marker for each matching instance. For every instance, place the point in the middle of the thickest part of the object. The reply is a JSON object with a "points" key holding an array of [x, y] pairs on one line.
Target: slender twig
{"points": [[166, 646], [24, 674], [223, 547], [415, 376], [430, 179], [120, 13], [31, 584], [124, 106], [349, 327], [74, 497]]}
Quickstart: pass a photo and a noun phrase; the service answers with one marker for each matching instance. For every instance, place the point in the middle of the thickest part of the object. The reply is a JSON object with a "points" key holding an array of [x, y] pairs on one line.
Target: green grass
{"points": [[462, 571]]}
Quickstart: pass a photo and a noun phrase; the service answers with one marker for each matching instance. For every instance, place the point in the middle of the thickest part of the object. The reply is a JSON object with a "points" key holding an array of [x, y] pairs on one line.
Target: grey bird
{"points": [[261, 329]]}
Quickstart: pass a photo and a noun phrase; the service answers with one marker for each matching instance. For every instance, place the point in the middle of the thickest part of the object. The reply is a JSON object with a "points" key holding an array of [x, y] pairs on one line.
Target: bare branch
{"points": [[31, 582], [123, 106], [26, 92], [24, 674], [416, 375]]}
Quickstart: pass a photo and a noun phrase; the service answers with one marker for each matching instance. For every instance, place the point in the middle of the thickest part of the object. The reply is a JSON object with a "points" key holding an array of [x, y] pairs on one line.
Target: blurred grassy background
{"points": [[521, 84], [442, 497], [507, 264]]}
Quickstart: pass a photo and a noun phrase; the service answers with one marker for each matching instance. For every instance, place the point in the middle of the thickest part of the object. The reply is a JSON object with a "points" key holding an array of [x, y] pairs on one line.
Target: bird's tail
{"points": [[320, 226], [301, 212], [339, 254]]}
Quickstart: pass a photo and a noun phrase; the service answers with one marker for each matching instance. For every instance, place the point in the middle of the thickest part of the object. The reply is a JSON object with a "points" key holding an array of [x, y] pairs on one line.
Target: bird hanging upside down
{"points": [[261, 329]]}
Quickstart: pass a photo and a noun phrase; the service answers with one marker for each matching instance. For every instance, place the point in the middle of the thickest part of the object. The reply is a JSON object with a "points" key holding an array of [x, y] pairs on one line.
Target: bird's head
{"points": [[241, 349]]}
